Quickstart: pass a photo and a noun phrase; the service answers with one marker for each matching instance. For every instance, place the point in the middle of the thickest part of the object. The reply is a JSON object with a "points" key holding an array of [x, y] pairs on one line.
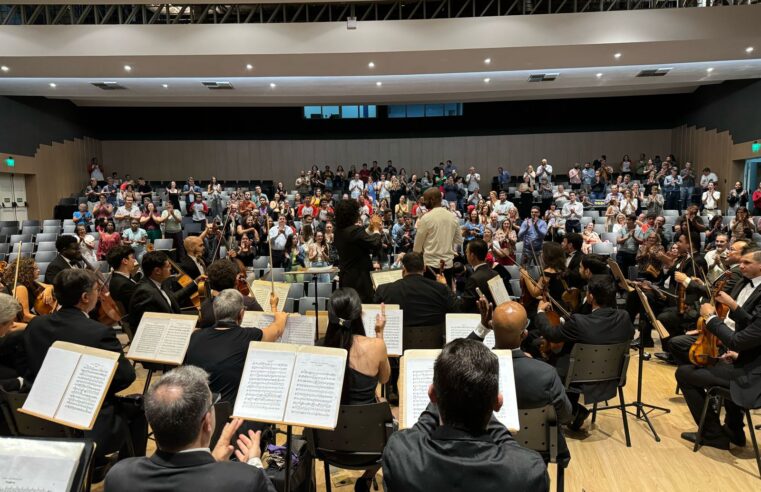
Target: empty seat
{"points": [[12, 257], [51, 222], [45, 256], [15, 238], [35, 229], [46, 237], [43, 266], [296, 291], [163, 244], [9, 223], [25, 247], [51, 229], [307, 304], [323, 289], [8, 230], [602, 249], [30, 223], [69, 229]]}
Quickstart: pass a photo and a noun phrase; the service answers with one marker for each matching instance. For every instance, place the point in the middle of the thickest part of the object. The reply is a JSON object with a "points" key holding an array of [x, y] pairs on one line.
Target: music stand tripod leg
{"points": [[287, 481]]}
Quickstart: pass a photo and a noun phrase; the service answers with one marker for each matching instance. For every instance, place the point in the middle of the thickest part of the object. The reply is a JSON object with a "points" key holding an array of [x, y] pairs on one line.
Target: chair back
{"points": [[423, 337], [539, 430], [598, 363], [223, 410], [24, 425], [307, 304], [359, 438]]}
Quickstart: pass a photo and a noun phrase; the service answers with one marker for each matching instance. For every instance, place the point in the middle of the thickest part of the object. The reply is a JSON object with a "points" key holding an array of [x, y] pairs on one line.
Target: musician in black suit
{"points": [[475, 252], [153, 293], [222, 275], [425, 302], [355, 245], [572, 246], [457, 443], [606, 325], [537, 383], [69, 256], [589, 266], [122, 285], [193, 264], [76, 290], [180, 410], [739, 368]]}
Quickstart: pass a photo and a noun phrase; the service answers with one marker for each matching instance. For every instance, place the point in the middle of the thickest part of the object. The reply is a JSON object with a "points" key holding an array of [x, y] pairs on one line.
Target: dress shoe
{"points": [[578, 420], [718, 443], [637, 341], [736, 436], [666, 357]]}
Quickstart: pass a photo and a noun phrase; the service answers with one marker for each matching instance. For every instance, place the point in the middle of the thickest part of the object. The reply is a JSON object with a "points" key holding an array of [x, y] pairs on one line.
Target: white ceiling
{"points": [[325, 63]]}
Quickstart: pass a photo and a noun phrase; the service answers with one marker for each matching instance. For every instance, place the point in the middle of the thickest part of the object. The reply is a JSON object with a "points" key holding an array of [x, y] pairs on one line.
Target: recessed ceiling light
{"points": [[599, 75], [709, 69], [127, 68], [249, 66], [272, 85], [4, 68], [52, 85], [371, 65], [749, 49], [617, 56], [165, 86], [487, 61], [487, 80], [379, 83]]}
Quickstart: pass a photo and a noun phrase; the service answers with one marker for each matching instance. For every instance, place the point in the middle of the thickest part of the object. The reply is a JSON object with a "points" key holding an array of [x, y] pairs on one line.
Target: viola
{"points": [[241, 284], [40, 306], [184, 280], [705, 350]]}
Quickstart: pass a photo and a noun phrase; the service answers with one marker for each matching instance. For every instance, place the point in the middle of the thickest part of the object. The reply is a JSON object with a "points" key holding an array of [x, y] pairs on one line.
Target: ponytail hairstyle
{"points": [[344, 321]]}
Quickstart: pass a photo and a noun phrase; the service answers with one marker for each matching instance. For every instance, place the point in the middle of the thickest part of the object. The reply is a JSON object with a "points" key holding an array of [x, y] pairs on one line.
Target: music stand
{"points": [[315, 272]]}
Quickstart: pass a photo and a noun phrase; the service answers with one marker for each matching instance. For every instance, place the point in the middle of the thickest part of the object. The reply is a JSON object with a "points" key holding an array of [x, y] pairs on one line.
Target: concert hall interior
{"points": [[380, 245]]}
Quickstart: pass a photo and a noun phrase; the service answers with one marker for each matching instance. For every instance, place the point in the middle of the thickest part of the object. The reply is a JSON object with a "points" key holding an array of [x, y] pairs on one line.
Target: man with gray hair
{"points": [[180, 410], [221, 350]]}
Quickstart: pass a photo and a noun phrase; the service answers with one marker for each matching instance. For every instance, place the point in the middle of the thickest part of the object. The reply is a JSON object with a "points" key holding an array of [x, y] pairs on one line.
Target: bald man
{"points": [[536, 383], [193, 264], [438, 234]]}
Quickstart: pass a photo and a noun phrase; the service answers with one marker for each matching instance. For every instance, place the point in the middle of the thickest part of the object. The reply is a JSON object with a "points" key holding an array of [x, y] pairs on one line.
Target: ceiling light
{"points": [[599, 75], [127, 68], [487, 80], [249, 66], [749, 49], [4, 68], [371, 65], [52, 85], [379, 83], [487, 61], [709, 69], [617, 56], [272, 85], [165, 86]]}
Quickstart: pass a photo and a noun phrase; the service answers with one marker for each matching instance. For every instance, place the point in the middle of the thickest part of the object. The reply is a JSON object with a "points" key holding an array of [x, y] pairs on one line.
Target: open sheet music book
{"points": [[261, 290], [299, 330], [71, 385], [162, 338], [385, 277], [416, 375], [291, 385], [392, 332], [498, 290], [460, 325], [38, 465]]}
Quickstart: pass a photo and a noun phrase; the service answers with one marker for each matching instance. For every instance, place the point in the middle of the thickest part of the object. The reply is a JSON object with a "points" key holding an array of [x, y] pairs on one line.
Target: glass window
{"points": [[434, 110], [331, 112], [415, 110], [313, 112], [453, 109], [367, 111], [349, 112], [397, 111]]}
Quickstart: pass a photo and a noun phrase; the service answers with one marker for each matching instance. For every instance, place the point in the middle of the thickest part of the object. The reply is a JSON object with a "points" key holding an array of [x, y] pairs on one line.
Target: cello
{"points": [[705, 350]]}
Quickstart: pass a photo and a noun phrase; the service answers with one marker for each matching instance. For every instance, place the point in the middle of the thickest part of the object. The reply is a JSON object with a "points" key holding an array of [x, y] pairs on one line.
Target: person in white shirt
{"points": [[278, 237], [356, 186], [126, 212], [472, 180], [711, 200], [503, 206], [572, 213], [544, 170], [560, 196], [707, 177], [629, 204], [614, 194], [382, 188], [438, 234], [716, 258]]}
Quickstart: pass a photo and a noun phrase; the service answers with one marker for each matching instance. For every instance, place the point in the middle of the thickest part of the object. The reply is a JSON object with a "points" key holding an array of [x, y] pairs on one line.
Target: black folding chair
{"points": [[540, 431]]}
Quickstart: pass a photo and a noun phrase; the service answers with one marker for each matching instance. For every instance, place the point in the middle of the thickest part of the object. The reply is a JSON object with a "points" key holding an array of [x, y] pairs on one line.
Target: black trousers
{"points": [[634, 307], [278, 256], [679, 346], [448, 274], [677, 324], [693, 382]]}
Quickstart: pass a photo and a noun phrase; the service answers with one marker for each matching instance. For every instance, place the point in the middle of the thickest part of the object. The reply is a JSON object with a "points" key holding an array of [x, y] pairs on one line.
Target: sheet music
{"points": [[498, 290], [418, 376], [257, 319], [299, 330], [508, 414], [385, 277], [51, 381], [86, 390], [162, 338], [315, 395], [261, 290], [461, 325], [264, 387], [392, 332], [38, 465]]}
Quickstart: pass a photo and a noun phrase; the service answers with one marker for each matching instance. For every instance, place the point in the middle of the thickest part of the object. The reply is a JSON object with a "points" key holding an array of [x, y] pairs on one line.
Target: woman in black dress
{"points": [[354, 246]]}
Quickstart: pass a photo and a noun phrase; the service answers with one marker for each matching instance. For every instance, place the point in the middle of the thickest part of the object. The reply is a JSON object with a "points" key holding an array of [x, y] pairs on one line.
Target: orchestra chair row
{"points": [[540, 431]]}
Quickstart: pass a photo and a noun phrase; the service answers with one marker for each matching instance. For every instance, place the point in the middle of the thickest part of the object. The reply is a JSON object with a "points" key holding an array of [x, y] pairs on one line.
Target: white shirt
{"points": [[355, 187], [741, 298], [438, 234], [278, 240], [502, 208], [711, 201], [166, 297], [472, 179], [704, 179], [573, 211]]}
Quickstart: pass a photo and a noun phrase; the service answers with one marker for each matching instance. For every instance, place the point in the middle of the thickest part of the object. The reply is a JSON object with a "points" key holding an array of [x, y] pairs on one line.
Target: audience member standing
{"points": [[438, 234]]}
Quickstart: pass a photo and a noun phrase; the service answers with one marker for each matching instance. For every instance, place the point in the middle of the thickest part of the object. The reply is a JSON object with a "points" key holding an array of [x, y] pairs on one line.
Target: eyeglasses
{"points": [[215, 398]]}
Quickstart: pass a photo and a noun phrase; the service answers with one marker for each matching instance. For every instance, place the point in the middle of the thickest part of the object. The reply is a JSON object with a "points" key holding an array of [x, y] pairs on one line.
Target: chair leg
{"points": [[623, 414], [147, 381], [560, 478], [594, 412], [753, 440], [699, 435], [328, 487], [676, 391]]}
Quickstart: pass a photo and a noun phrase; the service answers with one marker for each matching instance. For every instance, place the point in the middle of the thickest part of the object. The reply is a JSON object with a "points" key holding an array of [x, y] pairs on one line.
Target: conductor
{"points": [[355, 245]]}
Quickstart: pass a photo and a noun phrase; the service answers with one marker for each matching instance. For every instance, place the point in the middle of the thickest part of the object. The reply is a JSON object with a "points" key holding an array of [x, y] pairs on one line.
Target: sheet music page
{"points": [[38, 465], [261, 290], [264, 386], [175, 341], [86, 390], [299, 330], [392, 332], [315, 395], [257, 319], [51, 381], [498, 290], [385, 277], [460, 325], [508, 414], [418, 376], [147, 338]]}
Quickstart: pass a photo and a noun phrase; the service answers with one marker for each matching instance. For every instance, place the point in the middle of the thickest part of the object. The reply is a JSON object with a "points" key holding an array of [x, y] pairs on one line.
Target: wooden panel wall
{"points": [[281, 160], [55, 171]]}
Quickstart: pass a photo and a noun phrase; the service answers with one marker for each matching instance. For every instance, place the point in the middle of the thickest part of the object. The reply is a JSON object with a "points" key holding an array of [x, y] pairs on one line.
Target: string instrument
{"points": [[241, 284], [40, 306], [547, 348], [184, 280], [571, 296], [440, 278], [108, 311], [705, 349]]}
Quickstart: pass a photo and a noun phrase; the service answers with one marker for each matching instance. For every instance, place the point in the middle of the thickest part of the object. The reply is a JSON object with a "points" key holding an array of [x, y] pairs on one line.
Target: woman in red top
{"points": [[150, 222], [108, 239]]}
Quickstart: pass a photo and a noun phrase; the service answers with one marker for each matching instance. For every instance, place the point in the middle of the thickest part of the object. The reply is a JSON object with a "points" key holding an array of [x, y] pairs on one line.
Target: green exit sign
{"points": [[755, 147], [10, 162]]}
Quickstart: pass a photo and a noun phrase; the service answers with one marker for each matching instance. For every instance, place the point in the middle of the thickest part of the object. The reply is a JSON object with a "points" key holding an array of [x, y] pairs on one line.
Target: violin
{"points": [[241, 284], [108, 311], [547, 348], [705, 350], [40, 306], [440, 278], [184, 280]]}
